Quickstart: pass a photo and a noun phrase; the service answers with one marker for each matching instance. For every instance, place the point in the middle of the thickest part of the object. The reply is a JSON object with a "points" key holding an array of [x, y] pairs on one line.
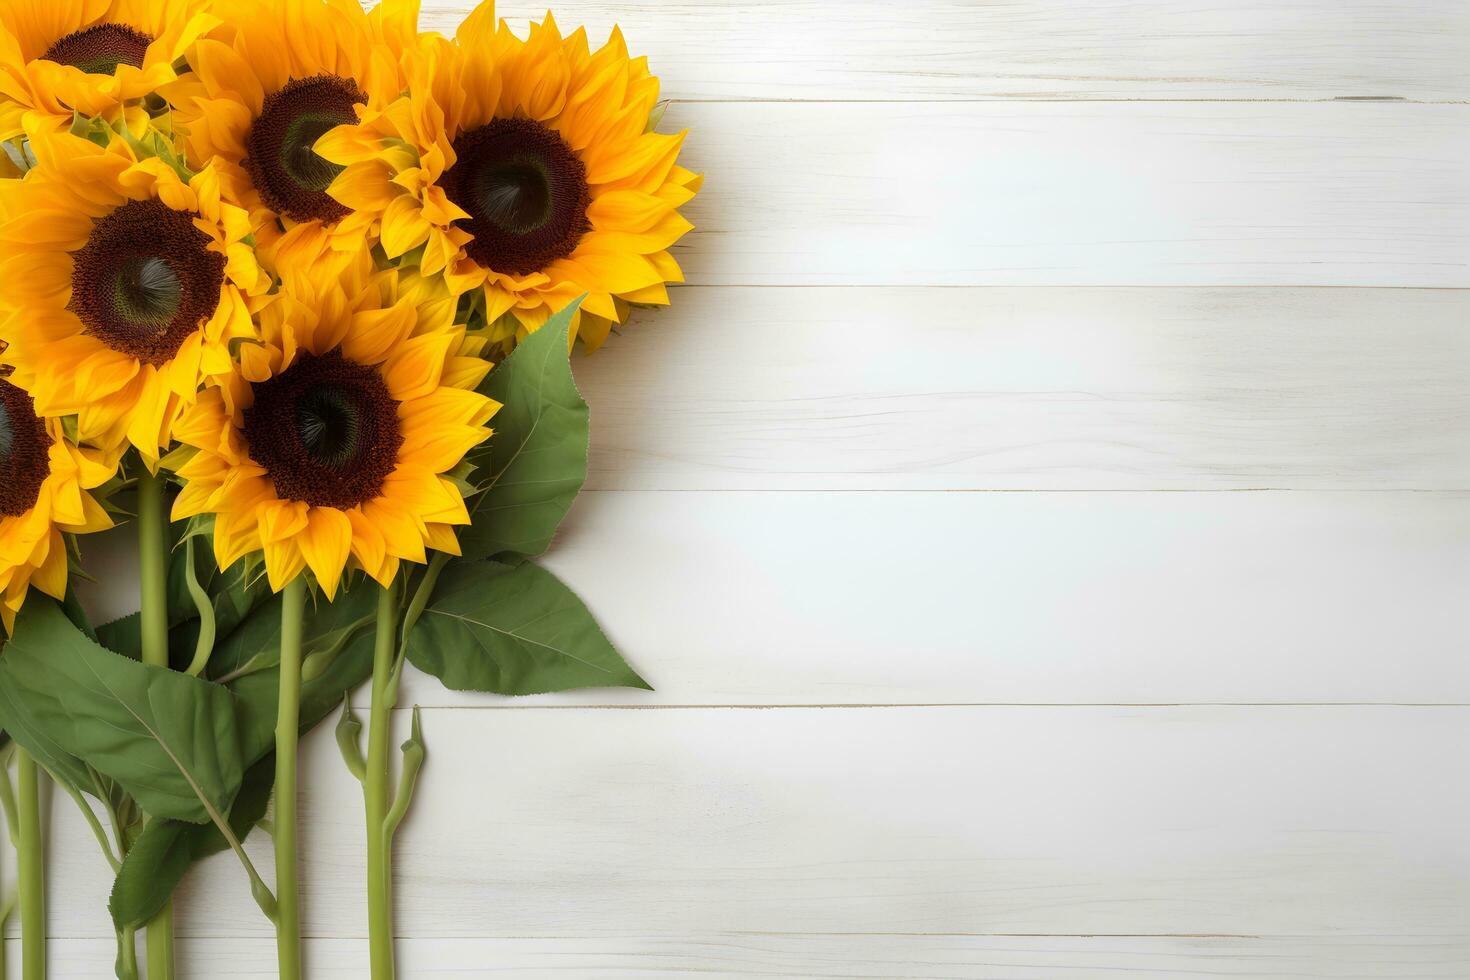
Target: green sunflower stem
{"points": [[30, 870], [288, 726], [153, 619], [126, 966], [375, 792]]}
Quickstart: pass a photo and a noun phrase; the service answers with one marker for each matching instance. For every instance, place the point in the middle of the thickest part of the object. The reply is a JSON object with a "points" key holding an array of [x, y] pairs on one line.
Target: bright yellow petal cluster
{"points": [[93, 57], [401, 160], [293, 236], [225, 107], [403, 330], [46, 220], [32, 549]]}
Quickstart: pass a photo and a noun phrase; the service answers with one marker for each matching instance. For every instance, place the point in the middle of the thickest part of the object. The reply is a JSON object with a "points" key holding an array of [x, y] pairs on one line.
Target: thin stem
{"points": [[7, 798], [7, 802], [127, 954], [119, 823], [7, 906], [416, 605], [204, 646], [126, 965], [153, 569], [153, 620], [375, 793], [288, 722], [31, 872], [93, 822]]}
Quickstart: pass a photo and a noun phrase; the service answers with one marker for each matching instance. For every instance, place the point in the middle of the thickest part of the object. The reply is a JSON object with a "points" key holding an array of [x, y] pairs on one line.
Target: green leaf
{"points": [[163, 852], [151, 870], [72, 606], [124, 636], [513, 629], [251, 653], [170, 740], [534, 464]]}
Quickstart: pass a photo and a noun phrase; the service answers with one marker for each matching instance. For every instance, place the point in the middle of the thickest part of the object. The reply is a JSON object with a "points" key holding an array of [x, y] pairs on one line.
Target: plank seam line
{"points": [[1197, 287], [1060, 100], [620, 936], [1157, 705], [1451, 491], [1079, 286]]}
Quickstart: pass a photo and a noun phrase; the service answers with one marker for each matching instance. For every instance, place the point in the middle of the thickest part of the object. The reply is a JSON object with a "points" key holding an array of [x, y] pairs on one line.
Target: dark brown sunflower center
{"points": [[525, 191], [291, 178], [98, 50], [25, 460], [145, 280], [326, 431]]}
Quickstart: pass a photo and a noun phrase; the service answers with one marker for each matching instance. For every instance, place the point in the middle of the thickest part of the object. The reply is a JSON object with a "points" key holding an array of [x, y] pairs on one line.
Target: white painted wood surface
{"points": [[785, 50], [1037, 388], [1095, 193], [906, 728], [800, 826]]}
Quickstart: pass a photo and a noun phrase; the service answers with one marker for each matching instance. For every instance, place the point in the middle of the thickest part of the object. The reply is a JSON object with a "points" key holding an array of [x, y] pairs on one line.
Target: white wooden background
{"points": [[1045, 516]]}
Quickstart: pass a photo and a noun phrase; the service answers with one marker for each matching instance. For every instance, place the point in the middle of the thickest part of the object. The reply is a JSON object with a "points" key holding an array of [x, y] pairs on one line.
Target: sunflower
{"points": [[44, 495], [276, 76], [121, 287], [94, 57], [525, 169], [338, 441]]}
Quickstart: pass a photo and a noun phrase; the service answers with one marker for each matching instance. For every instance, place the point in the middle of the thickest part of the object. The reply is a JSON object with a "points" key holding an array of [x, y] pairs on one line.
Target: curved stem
{"points": [[153, 619], [204, 646], [288, 723], [375, 794], [416, 605], [31, 872], [93, 821]]}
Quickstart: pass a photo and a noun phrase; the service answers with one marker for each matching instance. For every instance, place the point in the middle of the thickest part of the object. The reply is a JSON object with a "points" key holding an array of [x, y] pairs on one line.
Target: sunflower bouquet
{"points": [[290, 288]]}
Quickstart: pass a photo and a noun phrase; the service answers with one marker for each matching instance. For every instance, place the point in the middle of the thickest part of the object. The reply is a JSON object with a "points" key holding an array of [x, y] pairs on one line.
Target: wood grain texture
{"points": [[1029, 49], [918, 598], [1036, 389], [799, 957], [1289, 821], [1051, 194], [908, 733]]}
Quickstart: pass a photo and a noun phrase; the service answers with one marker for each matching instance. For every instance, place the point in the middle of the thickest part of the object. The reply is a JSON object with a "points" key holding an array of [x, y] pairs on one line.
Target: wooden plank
{"points": [[798, 957], [1054, 194], [861, 598], [1029, 49], [1024, 389], [585, 823]]}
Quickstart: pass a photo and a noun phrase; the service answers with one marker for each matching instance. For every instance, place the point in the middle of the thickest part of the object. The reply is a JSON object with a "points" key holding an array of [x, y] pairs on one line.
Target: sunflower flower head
{"points": [[336, 444], [524, 171], [122, 287], [59, 58], [274, 77], [45, 495]]}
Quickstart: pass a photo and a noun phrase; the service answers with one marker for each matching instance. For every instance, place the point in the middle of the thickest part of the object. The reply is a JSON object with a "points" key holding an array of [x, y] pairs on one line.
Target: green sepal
{"points": [[349, 740]]}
